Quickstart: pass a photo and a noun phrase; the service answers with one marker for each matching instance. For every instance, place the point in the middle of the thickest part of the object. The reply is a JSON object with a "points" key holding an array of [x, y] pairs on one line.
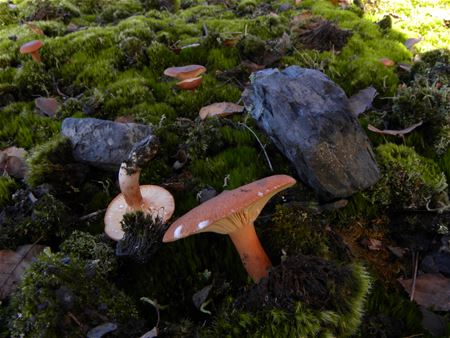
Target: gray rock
{"points": [[100, 143], [308, 117]]}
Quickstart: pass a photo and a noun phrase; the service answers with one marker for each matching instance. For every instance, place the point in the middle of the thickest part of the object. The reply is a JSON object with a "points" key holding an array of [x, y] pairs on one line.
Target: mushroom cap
{"points": [[185, 72], [243, 204], [190, 84], [31, 46], [157, 201]]}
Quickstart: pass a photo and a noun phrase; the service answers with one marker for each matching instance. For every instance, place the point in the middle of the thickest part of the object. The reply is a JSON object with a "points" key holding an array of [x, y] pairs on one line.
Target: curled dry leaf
{"points": [[13, 265], [394, 132], [409, 43], [12, 161], [362, 100], [35, 28], [47, 106], [432, 290], [220, 109]]}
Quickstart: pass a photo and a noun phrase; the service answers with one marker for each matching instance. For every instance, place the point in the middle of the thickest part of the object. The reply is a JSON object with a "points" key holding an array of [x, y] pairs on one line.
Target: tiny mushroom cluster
{"points": [[32, 48], [150, 199], [188, 76]]}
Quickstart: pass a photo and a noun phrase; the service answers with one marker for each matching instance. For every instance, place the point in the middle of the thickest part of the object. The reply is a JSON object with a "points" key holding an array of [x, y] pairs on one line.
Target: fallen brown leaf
{"points": [[13, 265], [220, 109], [394, 132], [12, 161], [362, 100], [35, 28], [47, 106], [432, 290]]}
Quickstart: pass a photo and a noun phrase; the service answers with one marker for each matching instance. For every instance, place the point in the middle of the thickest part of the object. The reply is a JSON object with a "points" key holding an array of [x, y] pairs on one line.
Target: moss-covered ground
{"points": [[105, 59]]}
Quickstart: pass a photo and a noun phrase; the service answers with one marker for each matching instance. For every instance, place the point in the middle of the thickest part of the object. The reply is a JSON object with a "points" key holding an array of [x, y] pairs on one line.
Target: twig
{"points": [[71, 315], [19, 262], [413, 288], [91, 215], [260, 143]]}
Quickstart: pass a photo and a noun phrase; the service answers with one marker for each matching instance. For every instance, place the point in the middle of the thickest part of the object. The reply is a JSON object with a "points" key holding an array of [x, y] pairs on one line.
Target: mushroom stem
{"points": [[129, 186], [130, 170], [250, 250], [36, 56]]}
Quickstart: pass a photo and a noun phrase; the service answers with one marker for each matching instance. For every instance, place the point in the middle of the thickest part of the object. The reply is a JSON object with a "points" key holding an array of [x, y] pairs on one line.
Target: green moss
{"points": [[347, 290], [48, 10], [85, 246], [412, 180], [129, 90], [7, 185], [297, 231], [390, 314], [21, 127], [58, 287], [424, 102], [33, 79], [52, 163], [118, 10], [41, 218], [152, 113], [8, 15]]}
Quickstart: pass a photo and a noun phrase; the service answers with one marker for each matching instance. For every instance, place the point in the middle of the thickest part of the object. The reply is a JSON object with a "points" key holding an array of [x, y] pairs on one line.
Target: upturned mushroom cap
{"points": [[185, 72], [31, 46], [190, 84], [230, 210], [157, 201]]}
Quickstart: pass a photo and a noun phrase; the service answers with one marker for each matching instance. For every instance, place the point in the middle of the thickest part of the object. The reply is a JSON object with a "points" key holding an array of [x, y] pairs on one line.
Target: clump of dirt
{"points": [[323, 35], [308, 279]]}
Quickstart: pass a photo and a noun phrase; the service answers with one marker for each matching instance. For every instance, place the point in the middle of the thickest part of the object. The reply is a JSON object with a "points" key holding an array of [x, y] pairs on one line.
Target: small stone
{"points": [[100, 143]]}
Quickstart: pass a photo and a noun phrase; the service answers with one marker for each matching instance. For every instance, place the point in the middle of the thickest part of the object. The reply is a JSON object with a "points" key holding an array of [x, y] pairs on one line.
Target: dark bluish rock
{"points": [[100, 143], [309, 119]]}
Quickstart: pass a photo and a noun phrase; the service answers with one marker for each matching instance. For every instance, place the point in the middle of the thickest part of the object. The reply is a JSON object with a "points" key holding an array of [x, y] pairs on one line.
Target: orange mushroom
{"points": [[32, 48], [150, 199], [190, 84], [185, 72], [233, 213]]}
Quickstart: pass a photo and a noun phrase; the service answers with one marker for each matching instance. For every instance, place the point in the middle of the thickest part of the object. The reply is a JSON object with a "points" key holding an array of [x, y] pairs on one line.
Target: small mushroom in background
{"points": [[150, 199], [32, 48], [190, 84], [233, 213], [185, 72]]}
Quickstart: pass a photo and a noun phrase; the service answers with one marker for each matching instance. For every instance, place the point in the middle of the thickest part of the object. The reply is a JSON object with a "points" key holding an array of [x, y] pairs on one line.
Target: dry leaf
{"points": [[101, 330], [362, 100], [13, 265], [405, 66], [12, 161], [409, 43], [35, 28], [47, 106], [151, 334], [394, 132], [220, 109], [431, 290]]}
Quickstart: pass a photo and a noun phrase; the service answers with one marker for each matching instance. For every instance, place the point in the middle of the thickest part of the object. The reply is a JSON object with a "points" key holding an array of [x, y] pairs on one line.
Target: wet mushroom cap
{"points": [[161, 202], [190, 84], [31, 46], [185, 72], [241, 205]]}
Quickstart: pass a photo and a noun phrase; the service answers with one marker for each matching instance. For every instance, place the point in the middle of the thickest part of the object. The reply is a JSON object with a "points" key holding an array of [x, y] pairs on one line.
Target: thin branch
{"points": [[416, 264], [260, 143], [91, 215]]}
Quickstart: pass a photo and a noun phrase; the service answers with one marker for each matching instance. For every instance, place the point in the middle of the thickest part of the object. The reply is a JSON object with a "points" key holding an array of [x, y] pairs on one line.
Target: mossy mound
{"points": [[65, 296], [304, 296]]}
